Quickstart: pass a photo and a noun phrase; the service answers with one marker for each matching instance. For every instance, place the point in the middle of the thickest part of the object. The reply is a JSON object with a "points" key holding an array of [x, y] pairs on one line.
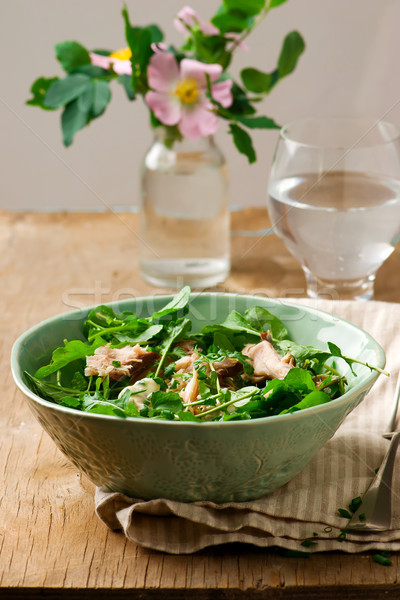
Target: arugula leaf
{"points": [[335, 351], [300, 379], [70, 402], [238, 322], [144, 336], [78, 381], [49, 391], [284, 394], [173, 331], [73, 350], [262, 320], [303, 354], [105, 323], [179, 302], [166, 400], [222, 342], [238, 416], [186, 415], [314, 398], [95, 403], [104, 316]]}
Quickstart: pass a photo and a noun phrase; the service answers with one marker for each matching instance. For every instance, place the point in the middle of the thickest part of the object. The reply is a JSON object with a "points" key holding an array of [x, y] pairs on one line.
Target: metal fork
{"points": [[375, 511]]}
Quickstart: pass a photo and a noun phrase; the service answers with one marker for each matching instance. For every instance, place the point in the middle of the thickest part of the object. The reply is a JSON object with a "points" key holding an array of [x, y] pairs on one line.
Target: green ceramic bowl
{"points": [[231, 461]]}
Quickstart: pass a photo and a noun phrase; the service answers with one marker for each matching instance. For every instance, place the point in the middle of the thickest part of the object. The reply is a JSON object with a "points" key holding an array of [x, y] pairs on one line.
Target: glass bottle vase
{"points": [[184, 217]]}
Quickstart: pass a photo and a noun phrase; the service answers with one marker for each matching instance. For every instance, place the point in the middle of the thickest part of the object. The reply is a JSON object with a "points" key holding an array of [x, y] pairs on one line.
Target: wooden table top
{"points": [[52, 544]]}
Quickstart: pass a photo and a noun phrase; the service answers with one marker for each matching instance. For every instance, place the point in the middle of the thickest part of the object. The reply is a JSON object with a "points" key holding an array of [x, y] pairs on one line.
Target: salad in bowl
{"points": [[208, 396]]}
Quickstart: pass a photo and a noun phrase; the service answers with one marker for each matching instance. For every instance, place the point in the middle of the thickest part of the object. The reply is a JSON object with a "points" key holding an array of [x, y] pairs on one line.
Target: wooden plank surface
{"points": [[51, 543]]}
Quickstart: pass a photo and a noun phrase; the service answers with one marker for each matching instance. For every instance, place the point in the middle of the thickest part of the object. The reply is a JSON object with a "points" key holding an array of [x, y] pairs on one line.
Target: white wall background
{"points": [[350, 67]]}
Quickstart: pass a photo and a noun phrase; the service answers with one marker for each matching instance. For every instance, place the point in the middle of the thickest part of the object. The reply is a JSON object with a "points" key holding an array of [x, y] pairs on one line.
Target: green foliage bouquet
{"points": [[188, 90]]}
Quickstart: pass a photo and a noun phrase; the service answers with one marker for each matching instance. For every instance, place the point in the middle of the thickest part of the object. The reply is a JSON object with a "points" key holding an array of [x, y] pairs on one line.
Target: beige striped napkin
{"points": [[306, 507]]}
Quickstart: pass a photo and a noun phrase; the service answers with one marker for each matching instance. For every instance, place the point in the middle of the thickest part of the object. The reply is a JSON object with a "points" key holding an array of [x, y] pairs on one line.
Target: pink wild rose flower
{"points": [[119, 60], [178, 94], [188, 17]]}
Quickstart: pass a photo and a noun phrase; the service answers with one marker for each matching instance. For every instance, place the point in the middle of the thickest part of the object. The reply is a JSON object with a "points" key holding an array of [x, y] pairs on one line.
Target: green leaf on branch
{"points": [[231, 22], [93, 71], [125, 81], [260, 122], [85, 100], [275, 3], [73, 119], [240, 104], [39, 89], [210, 49], [256, 81], [157, 35], [293, 46], [101, 97], [249, 7], [63, 91], [139, 41], [71, 55], [243, 142]]}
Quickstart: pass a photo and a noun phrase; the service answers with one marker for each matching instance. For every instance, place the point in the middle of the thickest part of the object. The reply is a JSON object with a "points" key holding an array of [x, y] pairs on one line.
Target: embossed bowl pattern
{"points": [[221, 462]]}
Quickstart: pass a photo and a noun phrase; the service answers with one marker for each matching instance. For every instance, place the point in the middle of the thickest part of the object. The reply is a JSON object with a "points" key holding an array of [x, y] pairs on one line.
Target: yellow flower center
{"points": [[187, 90], [122, 54]]}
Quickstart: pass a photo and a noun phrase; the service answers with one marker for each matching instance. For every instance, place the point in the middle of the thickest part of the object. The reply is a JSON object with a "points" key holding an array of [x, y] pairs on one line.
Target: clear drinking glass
{"points": [[334, 199], [184, 215]]}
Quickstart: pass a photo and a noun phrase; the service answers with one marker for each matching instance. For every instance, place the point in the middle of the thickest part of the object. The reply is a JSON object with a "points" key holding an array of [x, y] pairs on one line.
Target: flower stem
{"points": [[247, 32]]}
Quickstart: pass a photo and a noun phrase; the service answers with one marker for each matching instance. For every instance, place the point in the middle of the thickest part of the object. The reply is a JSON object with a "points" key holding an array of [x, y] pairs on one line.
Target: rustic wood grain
{"points": [[51, 543]]}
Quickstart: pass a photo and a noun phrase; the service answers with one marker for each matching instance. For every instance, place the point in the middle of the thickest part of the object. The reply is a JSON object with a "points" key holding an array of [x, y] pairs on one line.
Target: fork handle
{"points": [[377, 501]]}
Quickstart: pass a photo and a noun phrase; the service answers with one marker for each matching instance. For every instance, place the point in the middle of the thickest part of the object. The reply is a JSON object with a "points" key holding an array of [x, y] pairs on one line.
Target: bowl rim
{"points": [[19, 342]]}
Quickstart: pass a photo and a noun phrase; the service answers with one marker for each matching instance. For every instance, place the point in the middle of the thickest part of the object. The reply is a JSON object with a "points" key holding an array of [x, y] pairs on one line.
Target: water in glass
{"points": [[334, 199], [342, 226], [184, 215]]}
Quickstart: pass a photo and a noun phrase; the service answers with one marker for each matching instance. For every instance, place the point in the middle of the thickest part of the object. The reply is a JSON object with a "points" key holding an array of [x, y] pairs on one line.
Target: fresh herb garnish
{"points": [[382, 559], [355, 504]]}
